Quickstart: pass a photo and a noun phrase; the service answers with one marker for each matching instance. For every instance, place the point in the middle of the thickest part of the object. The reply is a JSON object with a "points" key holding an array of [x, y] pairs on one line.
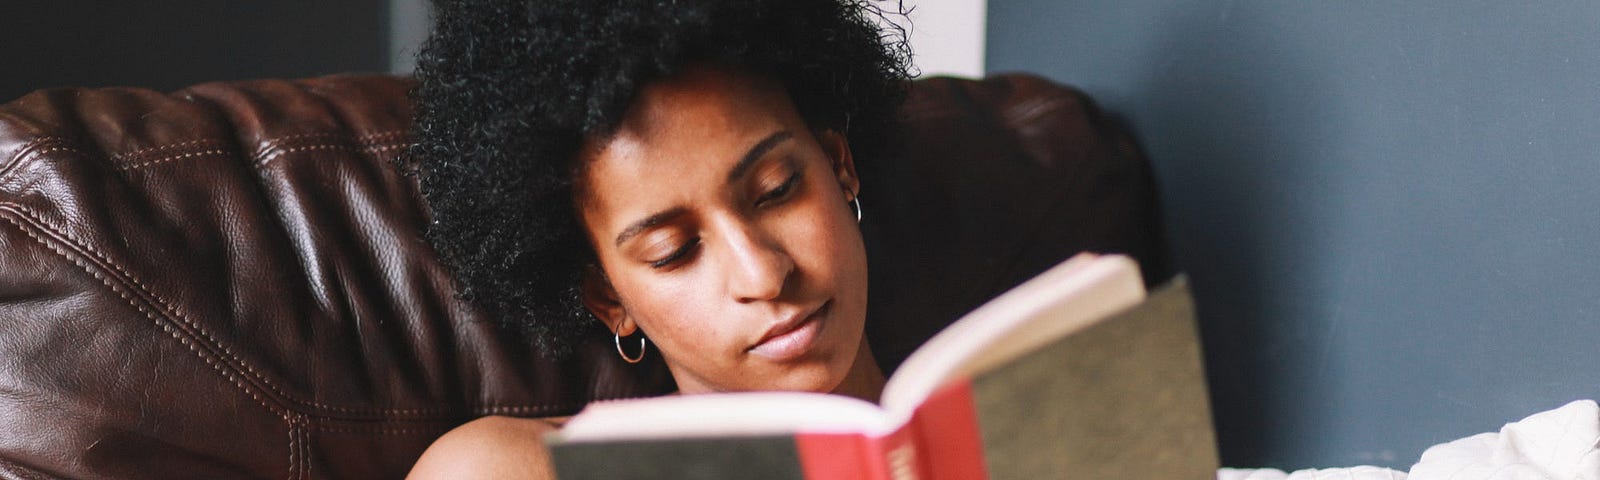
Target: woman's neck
{"points": [[865, 379]]}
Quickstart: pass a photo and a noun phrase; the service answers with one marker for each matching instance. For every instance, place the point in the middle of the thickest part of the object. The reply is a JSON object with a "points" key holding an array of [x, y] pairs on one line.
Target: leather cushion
{"points": [[229, 280]]}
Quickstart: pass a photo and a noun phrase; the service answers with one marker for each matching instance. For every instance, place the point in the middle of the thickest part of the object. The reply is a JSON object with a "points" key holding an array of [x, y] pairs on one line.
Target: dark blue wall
{"points": [[1389, 210]]}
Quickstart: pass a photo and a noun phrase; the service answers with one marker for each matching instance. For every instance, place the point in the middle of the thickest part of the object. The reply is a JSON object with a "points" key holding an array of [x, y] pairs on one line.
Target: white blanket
{"points": [[1560, 444]]}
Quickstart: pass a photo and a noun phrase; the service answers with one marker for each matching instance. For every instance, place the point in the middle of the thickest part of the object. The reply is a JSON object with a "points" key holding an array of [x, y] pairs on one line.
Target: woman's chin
{"points": [[818, 378]]}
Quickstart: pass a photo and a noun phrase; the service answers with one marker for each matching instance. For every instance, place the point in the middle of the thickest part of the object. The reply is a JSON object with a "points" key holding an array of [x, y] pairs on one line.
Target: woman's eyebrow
{"points": [[651, 221], [738, 170], [755, 153]]}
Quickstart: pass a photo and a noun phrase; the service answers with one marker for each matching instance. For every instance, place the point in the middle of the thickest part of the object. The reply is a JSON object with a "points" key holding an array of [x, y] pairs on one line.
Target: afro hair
{"points": [[509, 89]]}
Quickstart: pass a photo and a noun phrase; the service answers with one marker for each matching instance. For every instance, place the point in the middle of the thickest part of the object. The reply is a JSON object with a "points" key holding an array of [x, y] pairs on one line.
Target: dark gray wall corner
{"points": [[1387, 209], [171, 44]]}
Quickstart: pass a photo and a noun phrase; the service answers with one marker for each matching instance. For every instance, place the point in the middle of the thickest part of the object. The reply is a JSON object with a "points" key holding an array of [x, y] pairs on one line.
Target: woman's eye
{"points": [[781, 190], [676, 255]]}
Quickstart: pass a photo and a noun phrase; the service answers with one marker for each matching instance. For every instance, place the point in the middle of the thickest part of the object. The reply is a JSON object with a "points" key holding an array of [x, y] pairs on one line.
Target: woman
{"points": [[681, 170]]}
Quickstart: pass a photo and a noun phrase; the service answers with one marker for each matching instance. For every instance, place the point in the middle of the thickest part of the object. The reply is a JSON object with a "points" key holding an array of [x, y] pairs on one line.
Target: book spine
{"points": [[768, 456], [853, 456], [945, 427]]}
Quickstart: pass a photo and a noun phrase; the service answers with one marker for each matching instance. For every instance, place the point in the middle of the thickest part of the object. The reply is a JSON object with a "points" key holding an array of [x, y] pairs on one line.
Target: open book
{"points": [[1073, 374]]}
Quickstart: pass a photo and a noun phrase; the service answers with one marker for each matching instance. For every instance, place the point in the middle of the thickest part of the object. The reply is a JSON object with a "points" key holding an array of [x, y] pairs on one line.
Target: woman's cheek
{"points": [[681, 307]]}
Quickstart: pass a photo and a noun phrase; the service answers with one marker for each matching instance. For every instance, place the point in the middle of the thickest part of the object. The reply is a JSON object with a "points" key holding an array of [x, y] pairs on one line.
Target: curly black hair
{"points": [[509, 89]]}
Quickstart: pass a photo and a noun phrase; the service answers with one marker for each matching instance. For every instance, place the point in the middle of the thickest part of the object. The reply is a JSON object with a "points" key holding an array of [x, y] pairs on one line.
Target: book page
{"points": [[1064, 299], [1121, 398], [726, 414]]}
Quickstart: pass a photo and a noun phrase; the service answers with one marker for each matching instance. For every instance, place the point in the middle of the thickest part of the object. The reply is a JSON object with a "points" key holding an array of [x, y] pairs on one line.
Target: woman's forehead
{"points": [[684, 134], [709, 99], [702, 117]]}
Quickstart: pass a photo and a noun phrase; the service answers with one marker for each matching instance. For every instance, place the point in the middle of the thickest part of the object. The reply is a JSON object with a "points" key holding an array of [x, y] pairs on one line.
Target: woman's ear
{"points": [[602, 300], [844, 165]]}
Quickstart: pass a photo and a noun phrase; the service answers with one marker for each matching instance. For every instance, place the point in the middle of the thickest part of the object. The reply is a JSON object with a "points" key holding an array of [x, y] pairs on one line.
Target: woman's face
{"points": [[722, 224]]}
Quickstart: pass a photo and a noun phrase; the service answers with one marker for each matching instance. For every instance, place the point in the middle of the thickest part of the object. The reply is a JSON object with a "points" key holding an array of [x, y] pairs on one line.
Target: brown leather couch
{"points": [[229, 281]]}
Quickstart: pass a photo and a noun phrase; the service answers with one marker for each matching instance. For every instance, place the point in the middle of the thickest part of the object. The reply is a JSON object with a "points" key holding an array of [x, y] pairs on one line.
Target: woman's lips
{"points": [[793, 341]]}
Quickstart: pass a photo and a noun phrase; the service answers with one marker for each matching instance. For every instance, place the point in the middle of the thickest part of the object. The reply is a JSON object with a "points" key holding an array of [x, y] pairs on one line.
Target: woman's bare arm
{"points": [[490, 447]]}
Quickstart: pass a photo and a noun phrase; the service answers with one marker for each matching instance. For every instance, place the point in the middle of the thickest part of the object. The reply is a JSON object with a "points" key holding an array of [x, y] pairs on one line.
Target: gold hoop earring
{"points": [[617, 339]]}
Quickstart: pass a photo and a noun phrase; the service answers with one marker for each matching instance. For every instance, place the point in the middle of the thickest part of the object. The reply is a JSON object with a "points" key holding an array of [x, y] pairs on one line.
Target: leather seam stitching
{"points": [[279, 151], [361, 138], [199, 332], [294, 443], [377, 141], [304, 467], [26, 152], [387, 430], [132, 300], [305, 433], [203, 153], [146, 152], [33, 151], [227, 354], [135, 280], [239, 363], [291, 449]]}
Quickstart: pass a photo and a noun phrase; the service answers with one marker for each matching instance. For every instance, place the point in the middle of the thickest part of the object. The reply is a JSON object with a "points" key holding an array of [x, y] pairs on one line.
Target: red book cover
{"points": [[1075, 373]]}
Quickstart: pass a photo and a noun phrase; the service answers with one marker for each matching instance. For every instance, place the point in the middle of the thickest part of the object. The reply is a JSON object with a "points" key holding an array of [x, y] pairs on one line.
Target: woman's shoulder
{"points": [[490, 447]]}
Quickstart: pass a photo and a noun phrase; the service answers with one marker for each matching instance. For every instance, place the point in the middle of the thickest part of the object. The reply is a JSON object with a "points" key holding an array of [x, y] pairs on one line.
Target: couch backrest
{"points": [[230, 280]]}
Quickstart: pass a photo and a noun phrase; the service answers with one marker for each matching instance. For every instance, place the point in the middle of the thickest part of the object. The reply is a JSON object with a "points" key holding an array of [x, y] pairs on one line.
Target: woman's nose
{"points": [[760, 266]]}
